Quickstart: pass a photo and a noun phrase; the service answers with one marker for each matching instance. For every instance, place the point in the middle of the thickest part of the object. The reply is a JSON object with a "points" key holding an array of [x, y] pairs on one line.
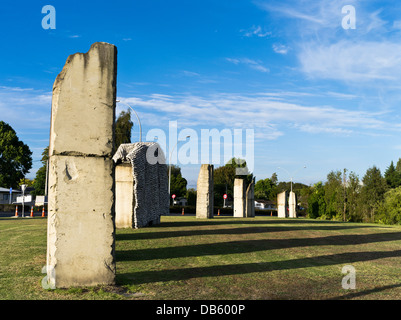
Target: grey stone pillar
{"points": [[239, 198], [204, 192], [81, 233]]}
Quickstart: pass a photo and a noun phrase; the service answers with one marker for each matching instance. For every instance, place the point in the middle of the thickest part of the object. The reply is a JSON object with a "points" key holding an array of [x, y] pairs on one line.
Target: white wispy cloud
{"points": [[256, 31], [253, 64], [347, 60], [280, 48], [269, 117]]}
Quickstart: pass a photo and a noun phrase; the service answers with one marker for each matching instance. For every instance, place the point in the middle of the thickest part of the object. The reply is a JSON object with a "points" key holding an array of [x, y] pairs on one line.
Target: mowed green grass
{"points": [[221, 258]]}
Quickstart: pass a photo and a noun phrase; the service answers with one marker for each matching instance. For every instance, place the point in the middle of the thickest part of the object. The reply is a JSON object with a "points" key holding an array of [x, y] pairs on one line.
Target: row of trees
{"points": [[375, 198]]}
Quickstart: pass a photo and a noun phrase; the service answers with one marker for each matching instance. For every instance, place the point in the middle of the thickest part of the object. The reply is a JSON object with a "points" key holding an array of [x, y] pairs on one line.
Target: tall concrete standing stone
{"points": [[204, 192], [282, 204], [239, 198], [292, 205], [81, 233], [250, 200]]}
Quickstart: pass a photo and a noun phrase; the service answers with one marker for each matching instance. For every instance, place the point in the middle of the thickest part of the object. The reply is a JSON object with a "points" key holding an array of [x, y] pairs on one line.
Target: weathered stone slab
{"points": [[83, 103], [282, 204], [124, 217], [250, 200], [239, 198], [80, 223], [81, 235], [292, 205], [204, 192], [141, 186]]}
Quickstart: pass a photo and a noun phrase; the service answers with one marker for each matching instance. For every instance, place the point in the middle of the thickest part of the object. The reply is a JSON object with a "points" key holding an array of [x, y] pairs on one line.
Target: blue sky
{"points": [[314, 93]]}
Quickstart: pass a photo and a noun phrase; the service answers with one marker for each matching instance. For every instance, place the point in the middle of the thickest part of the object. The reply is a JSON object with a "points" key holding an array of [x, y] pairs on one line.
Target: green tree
{"points": [[265, 189], [39, 182], [398, 166], [178, 184], [333, 194], [316, 202], [123, 128], [15, 157], [393, 176], [389, 211], [191, 197], [353, 197], [372, 192]]}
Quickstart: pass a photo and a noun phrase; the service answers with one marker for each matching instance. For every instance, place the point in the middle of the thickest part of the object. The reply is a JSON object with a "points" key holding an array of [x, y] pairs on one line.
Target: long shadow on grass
{"points": [[359, 294], [247, 246], [246, 268], [252, 221], [155, 234]]}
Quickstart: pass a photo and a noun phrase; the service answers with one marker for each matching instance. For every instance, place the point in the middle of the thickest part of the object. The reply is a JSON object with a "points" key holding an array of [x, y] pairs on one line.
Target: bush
{"points": [[389, 211]]}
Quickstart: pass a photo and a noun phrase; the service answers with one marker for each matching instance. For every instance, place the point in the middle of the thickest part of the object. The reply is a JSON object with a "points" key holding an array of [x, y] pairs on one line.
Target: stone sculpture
{"points": [[239, 198], [250, 200], [141, 185], [81, 234], [292, 205], [204, 192], [282, 204]]}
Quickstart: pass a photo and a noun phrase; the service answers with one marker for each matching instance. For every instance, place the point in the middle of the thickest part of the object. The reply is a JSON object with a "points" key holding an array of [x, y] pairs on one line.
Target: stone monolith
{"points": [[239, 198], [141, 185], [282, 204], [292, 205], [204, 192], [81, 234], [250, 200]]}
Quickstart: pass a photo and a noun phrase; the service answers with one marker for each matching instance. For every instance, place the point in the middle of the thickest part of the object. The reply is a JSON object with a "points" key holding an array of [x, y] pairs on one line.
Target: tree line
{"points": [[374, 198]]}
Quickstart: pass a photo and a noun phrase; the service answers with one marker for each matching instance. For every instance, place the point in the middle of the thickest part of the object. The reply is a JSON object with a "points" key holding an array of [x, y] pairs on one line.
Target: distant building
{"points": [[265, 205], [5, 195]]}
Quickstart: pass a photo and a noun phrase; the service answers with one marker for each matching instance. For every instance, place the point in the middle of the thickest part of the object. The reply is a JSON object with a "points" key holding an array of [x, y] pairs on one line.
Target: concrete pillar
{"points": [[250, 200], [239, 198], [292, 205], [81, 234], [141, 185], [124, 196], [204, 192], [282, 204]]}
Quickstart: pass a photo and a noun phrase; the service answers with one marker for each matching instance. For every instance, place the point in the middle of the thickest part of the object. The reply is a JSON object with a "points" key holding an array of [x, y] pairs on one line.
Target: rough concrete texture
{"points": [[292, 205], [142, 187], [204, 192], [124, 217], [81, 235], [282, 204], [250, 200], [239, 198]]}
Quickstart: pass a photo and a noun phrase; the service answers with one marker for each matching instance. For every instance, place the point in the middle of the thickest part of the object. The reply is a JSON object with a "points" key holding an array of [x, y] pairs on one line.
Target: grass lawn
{"points": [[222, 258]]}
